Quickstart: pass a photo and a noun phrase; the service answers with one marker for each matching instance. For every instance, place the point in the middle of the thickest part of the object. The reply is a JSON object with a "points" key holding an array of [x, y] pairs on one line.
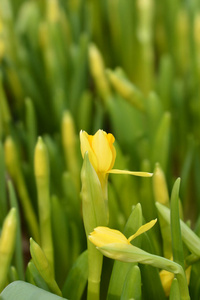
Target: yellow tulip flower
{"points": [[102, 153], [102, 236]]}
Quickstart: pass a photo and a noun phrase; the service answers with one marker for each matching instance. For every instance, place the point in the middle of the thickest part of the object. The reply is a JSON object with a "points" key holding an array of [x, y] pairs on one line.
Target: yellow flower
{"points": [[102, 153], [167, 278], [102, 236], [100, 149]]}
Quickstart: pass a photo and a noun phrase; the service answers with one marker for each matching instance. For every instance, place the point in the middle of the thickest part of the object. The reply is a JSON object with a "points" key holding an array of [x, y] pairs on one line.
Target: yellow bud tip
{"points": [[31, 241], [41, 163], [11, 218], [68, 131]]}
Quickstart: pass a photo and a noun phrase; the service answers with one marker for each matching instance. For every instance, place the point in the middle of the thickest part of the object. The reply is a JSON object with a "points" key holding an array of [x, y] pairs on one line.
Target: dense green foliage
{"points": [[131, 68]]}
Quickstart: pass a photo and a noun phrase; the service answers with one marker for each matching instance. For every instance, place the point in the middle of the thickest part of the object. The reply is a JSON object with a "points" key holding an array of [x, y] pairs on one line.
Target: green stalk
{"points": [[14, 169], [18, 247], [69, 140], [31, 128], [3, 203], [95, 260], [4, 108]]}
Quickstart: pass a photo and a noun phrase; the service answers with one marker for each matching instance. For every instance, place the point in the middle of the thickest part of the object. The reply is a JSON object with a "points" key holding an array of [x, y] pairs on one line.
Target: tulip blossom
{"points": [[113, 244], [102, 153], [102, 236]]}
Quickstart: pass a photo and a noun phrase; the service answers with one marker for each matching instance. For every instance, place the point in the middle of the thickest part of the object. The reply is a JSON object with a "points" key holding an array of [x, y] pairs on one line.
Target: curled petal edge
{"points": [[141, 174]]}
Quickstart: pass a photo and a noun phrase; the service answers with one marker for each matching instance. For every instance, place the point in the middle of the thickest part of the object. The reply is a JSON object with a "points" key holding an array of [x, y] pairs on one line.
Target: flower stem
{"points": [[95, 259]]}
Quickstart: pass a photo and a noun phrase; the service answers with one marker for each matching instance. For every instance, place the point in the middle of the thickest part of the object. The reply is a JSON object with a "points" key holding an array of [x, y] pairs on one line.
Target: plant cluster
{"points": [[99, 149]]}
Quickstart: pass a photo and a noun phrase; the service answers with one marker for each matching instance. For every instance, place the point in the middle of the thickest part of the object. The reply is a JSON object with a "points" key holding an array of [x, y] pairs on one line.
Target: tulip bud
{"points": [[160, 186], [41, 164], [7, 244], [43, 267], [69, 140], [97, 70], [100, 150]]}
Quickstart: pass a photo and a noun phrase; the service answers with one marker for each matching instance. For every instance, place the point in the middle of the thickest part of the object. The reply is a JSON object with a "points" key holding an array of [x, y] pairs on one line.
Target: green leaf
{"points": [[12, 274], [177, 245], [174, 291], [126, 90], [154, 112], [31, 128], [116, 217], [124, 116], [60, 230], [77, 278], [84, 111], [33, 273], [151, 283], [94, 206], [149, 209], [71, 200], [20, 290], [79, 79], [132, 284], [195, 281], [152, 286], [191, 240], [161, 141], [3, 204], [125, 185], [165, 82]]}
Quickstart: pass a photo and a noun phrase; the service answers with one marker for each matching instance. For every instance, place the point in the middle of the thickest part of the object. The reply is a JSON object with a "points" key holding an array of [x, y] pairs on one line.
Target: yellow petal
{"points": [[101, 236], [85, 147], [143, 229], [101, 148], [113, 156], [142, 174], [110, 138], [166, 279]]}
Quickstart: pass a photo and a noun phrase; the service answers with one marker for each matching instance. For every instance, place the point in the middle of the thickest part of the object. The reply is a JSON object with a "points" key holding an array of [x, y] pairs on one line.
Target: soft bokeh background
{"points": [[128, 67]]}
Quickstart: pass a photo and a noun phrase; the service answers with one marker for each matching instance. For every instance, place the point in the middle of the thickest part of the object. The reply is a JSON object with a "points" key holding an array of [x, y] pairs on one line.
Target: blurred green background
{"points": [[131, 68]]}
